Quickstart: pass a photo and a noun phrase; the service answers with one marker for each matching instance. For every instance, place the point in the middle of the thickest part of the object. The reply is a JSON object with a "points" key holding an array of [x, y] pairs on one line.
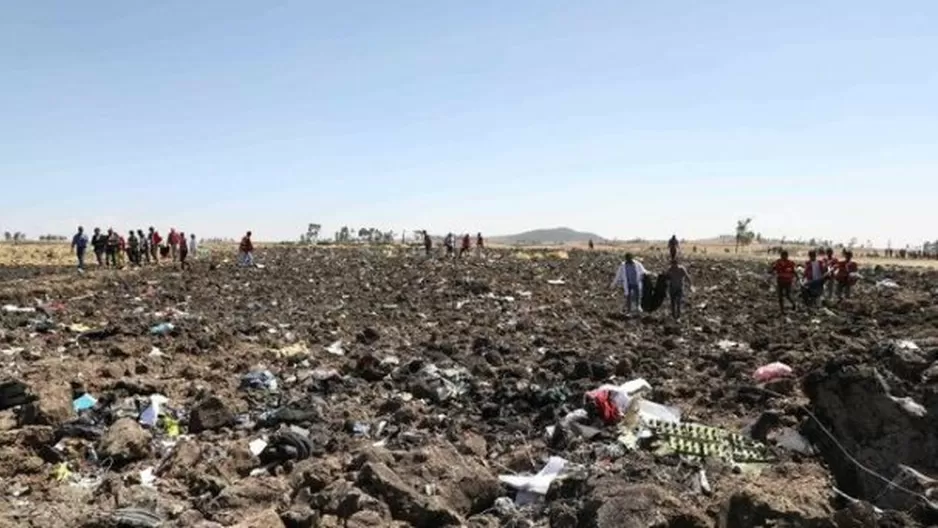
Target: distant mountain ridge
{"points": [[557, 235]]}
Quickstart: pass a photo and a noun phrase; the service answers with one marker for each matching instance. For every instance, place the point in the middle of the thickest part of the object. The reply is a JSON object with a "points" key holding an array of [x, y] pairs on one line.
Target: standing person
{"points": [[133, 248], [677, 276], [672, 246], [449, 242], [173, 243], [846, 275], [591, 244], [121, 249], [830, 262], [99, 245], [466, 245], [112, 247], [630, 275], [814, 276], [155, 241], [784, 271], [427, 243], [183, 250], [144, 246], [79, 245], [246, 251], [480, 244], [193, 247]]}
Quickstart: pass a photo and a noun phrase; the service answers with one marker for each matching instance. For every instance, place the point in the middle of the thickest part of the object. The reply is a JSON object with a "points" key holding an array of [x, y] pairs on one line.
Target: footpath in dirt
{"points": [[375, 387]]}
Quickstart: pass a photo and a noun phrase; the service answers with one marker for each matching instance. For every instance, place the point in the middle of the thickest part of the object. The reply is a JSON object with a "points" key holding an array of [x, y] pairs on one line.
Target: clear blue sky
{"points": [[818, 118]]}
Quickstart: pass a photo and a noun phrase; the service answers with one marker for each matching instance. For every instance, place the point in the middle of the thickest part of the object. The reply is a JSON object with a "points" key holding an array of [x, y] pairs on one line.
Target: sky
{"points": [[628, 119]]}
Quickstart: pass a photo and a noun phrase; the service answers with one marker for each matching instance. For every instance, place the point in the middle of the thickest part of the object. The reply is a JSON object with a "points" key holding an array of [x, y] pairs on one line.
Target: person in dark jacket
{"points": [[427, 243], [246, 251], [183, 250], [144, 246], [99, 245], [133, 248]]}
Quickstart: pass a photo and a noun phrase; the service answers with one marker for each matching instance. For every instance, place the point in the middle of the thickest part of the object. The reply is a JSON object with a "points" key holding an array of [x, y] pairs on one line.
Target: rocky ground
{"points": [[373, 387]]}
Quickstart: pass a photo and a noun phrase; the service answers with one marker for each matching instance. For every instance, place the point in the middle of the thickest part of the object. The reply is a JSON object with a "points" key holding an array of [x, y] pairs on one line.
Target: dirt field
{"points": [[404, 387]]}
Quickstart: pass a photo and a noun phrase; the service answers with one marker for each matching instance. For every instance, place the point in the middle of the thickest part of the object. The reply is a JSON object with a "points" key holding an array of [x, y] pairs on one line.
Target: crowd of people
{"points": [[113, 250]]}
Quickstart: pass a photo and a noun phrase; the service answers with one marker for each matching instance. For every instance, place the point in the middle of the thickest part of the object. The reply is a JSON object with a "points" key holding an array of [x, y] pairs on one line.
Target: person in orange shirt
{"points": [[784, 271]]}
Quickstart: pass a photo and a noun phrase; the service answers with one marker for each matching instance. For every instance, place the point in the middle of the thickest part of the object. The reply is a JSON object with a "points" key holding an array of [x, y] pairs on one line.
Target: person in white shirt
{"points": [[193, 248], [630, 275]]}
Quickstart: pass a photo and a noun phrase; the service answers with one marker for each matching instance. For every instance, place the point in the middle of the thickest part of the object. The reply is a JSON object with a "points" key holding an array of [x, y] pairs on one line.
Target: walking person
{"points": [[677, 276], [846, 275], [246, 251], [133, 248], [80, 245], [193, 247], [173, 243], [121, 250], [99, 245], [629, 275], [480, 244], [155, 241], [466, 245], [830, 262], [815, 273], [427, 243], [183, 251], [112, 246], [449, 242], [672, 247], [144, 246], [784, 271]]}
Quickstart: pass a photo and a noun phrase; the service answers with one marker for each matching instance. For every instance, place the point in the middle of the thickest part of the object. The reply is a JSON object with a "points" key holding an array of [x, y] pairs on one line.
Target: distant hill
{"points": [[558, 235]]}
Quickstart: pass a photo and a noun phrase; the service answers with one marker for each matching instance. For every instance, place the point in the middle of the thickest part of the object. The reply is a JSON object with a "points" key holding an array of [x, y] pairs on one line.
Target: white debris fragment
{"points": [[147, 478], [156, 352], [726, 344], [910, 406], [12, 308], [887, 283], [704, 482], [907, 344], [530, 486], [336, 349], [257, 446], [556, 282]]}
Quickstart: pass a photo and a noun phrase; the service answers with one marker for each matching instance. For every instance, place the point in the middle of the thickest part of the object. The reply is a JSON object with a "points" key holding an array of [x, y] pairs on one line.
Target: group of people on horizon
{"points": [[113, 250], [449, 243]]}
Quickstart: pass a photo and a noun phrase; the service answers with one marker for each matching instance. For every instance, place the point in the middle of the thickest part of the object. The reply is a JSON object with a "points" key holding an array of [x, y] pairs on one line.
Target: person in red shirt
{"points": [[815, 274], [784, 271], [155, 241], [845, 275], [173, 243]]}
